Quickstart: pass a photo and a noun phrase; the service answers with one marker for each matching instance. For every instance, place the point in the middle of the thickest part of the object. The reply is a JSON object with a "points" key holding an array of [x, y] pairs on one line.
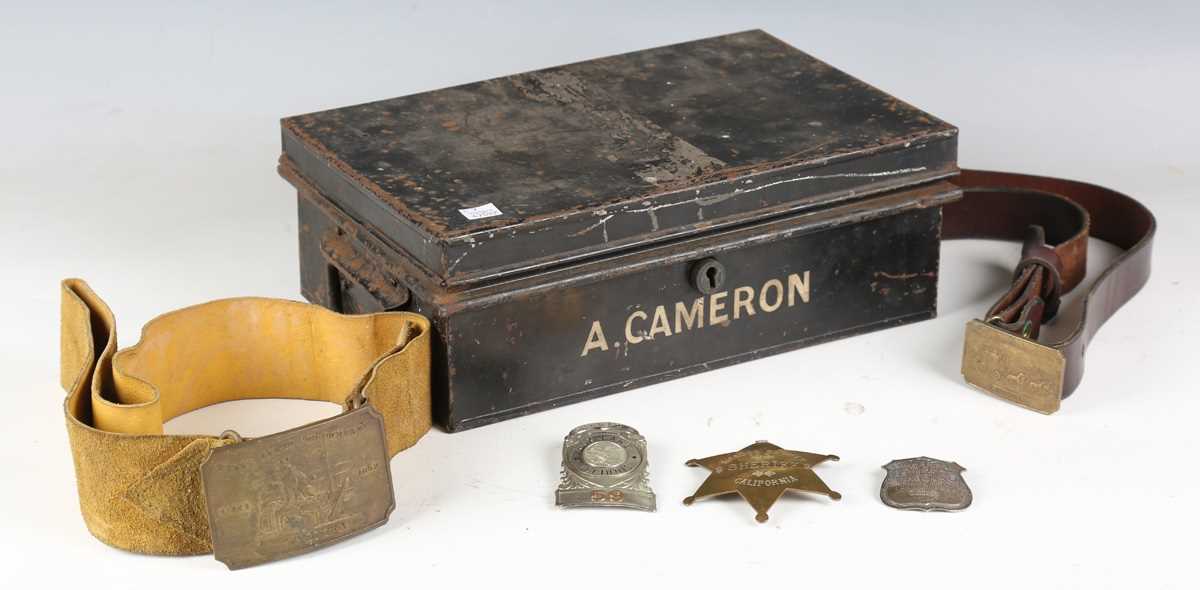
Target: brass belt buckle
{"points": [[1013, 368], [298, 490]]}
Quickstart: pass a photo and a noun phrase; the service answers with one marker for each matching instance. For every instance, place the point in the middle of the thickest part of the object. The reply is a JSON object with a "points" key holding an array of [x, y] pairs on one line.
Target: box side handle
{"points": [[355, 266]]}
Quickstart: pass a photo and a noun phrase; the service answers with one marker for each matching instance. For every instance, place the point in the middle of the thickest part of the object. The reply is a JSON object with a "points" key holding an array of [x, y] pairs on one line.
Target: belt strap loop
{"points": [[140, 490], [1003, 356]]}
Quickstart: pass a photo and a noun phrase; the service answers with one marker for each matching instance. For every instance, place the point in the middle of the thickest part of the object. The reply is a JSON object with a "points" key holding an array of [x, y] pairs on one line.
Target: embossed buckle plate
{"points": [[1013, 368], [298, 490]]}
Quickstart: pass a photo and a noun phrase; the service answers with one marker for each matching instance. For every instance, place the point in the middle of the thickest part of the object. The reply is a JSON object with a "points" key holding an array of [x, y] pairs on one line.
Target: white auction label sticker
{"points": [[481, 212]]}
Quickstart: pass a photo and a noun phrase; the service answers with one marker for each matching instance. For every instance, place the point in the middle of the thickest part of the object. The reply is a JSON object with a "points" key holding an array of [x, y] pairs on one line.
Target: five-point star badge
{"points": [[761, 473]]}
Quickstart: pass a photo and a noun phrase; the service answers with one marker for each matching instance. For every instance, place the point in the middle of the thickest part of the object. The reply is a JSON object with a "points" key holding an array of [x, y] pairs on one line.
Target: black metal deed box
{"points": [[590, 228]]}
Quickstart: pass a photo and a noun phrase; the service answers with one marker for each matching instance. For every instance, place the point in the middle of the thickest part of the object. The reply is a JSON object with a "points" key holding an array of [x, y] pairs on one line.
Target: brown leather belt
{"points": [[1053, 217]]}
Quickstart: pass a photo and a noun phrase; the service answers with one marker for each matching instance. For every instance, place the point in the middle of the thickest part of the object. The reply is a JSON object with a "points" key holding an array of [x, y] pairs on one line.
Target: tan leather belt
{"points": [[1054, 218], [256, 500], [262, 499]]}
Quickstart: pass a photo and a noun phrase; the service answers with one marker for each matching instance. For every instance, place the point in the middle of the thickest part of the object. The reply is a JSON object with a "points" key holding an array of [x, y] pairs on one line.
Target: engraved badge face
{"points": [[760, 474], [604, 464], [925, 484], [604, 453], [298, 490]]}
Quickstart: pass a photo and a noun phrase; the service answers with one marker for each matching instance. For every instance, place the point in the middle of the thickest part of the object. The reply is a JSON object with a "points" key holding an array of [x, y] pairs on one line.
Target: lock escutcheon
{"points": [[708, 276]]}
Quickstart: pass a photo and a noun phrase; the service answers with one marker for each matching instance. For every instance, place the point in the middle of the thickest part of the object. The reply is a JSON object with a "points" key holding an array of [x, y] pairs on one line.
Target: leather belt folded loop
{"points": [[1046, 269], [145, 491], [1054, 218]]}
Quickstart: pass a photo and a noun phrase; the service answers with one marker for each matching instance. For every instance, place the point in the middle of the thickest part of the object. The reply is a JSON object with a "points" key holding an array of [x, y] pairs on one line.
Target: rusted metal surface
{"points": [[518, 346], [607, 154], [352, 265], [756, 201]]}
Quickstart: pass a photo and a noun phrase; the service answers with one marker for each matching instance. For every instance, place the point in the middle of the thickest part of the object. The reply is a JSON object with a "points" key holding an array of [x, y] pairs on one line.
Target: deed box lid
{"points": [[501, 176]]}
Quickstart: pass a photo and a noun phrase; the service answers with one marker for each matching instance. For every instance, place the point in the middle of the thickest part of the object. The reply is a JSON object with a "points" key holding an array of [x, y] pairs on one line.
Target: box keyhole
{"points": [[708, 276]]}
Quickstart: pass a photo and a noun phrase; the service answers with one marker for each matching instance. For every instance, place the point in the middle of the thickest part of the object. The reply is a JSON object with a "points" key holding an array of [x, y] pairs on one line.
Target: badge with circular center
{"points": [[925, 484], [604, 464]]}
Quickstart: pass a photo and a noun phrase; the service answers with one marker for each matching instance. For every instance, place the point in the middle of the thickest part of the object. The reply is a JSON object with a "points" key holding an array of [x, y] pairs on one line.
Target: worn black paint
{"points": [[612, 153], [762, 158]]}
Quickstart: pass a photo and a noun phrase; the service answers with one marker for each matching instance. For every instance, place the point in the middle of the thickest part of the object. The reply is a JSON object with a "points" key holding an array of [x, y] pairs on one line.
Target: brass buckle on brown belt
{"points": [[1013, 368], [1055, 218], [1001, 354], [298, 490]]}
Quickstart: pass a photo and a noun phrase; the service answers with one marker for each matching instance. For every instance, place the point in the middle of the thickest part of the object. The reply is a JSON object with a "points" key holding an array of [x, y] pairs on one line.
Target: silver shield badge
{"points": [[604, 464], [925, 484]]}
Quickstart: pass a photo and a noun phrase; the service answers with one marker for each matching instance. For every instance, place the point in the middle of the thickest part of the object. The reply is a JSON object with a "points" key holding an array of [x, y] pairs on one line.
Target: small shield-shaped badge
{"points": [[925, 484]]}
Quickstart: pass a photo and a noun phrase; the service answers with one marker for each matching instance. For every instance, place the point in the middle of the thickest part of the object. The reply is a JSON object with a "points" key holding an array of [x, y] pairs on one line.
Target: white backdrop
{"points": [[138, 151]]}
